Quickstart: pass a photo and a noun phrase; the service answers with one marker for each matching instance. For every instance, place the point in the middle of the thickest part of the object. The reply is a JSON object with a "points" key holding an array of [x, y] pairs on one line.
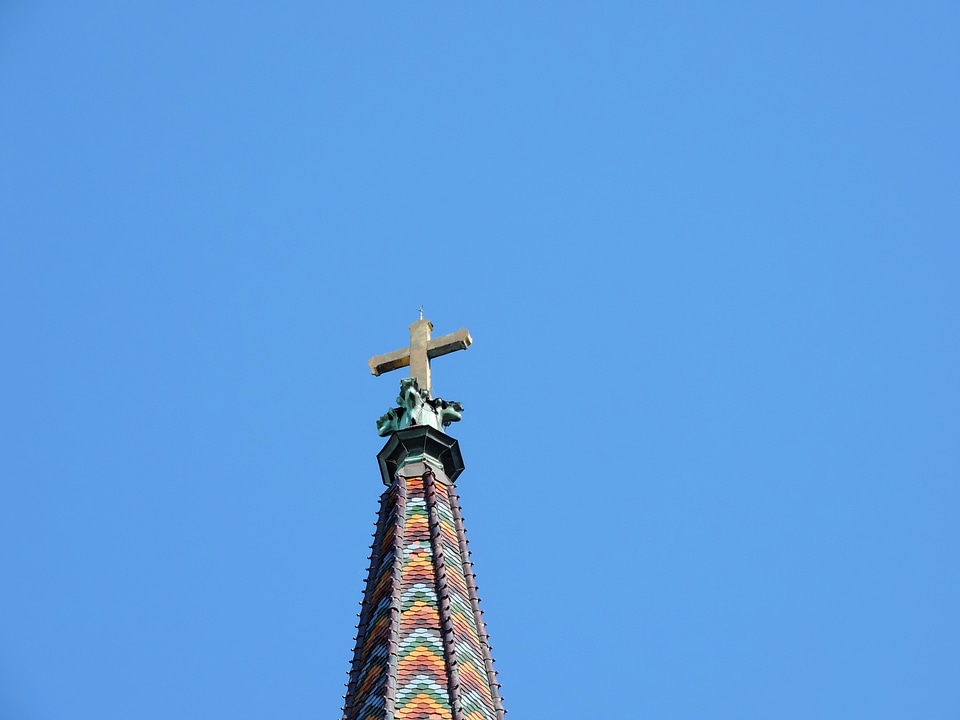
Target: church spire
{"points": [[422, 651]]}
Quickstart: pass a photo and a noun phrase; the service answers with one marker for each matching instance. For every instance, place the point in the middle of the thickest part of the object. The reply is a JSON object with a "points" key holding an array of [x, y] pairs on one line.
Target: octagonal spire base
{"points": [[420, 444]]}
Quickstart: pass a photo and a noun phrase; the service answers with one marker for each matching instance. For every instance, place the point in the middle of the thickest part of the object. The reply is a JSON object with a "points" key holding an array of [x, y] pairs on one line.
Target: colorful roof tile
{"points": [[422, 651]]}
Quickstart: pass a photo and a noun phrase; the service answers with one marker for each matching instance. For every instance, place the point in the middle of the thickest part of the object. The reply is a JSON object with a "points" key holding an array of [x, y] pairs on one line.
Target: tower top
{"points": [[422, 650], [420, 352]]}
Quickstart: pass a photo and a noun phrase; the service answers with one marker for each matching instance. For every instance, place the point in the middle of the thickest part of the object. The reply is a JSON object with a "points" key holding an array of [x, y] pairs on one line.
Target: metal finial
{"points": [[421, 312]]}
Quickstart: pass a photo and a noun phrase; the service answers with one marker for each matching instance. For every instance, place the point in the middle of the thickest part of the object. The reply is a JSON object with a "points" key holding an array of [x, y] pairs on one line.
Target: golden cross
{"points": [[420, 352]]}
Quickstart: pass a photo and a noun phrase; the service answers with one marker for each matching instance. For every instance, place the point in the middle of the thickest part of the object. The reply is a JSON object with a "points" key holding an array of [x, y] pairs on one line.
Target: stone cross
{"points": [[420, 352]]}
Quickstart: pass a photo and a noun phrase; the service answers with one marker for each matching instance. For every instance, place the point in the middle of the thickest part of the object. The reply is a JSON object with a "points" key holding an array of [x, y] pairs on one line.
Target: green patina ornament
{"points": [[418, 408]]}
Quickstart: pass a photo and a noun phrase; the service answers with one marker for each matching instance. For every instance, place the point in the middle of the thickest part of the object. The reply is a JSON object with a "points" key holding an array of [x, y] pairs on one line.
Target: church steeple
{"points": [[422, 651]]}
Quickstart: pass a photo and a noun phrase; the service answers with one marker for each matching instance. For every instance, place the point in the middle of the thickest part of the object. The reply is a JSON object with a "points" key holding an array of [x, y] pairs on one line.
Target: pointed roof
{"points": [[422, 651]]}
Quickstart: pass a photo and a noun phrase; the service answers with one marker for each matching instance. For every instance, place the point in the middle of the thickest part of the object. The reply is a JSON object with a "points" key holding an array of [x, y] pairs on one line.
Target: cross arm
{"points": [[380, 364], [459, 340]]}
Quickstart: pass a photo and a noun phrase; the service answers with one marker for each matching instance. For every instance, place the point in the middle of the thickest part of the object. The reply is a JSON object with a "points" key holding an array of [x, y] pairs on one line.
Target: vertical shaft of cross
{"points": [[419, 345], [423, 348]]}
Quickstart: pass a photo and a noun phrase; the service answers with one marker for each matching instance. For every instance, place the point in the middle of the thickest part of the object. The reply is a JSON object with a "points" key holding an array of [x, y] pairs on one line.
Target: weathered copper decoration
{"points": [[418, 408]]}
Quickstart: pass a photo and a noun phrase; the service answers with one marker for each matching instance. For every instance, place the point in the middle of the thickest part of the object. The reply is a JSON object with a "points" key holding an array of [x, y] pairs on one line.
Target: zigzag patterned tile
{"points": [[422, 651]]}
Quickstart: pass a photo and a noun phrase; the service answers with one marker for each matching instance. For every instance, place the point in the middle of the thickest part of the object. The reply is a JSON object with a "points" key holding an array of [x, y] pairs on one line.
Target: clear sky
{"points": [[710, 257]]}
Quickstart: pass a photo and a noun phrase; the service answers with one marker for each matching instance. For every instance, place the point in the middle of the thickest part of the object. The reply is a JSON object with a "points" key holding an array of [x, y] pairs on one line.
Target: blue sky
{"points": [[709, 257]]}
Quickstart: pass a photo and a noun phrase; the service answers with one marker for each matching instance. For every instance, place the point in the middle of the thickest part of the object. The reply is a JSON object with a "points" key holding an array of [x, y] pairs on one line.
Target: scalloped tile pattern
{"points": [[371, 659], [475, 694], [422, 692], [419, 624]]}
